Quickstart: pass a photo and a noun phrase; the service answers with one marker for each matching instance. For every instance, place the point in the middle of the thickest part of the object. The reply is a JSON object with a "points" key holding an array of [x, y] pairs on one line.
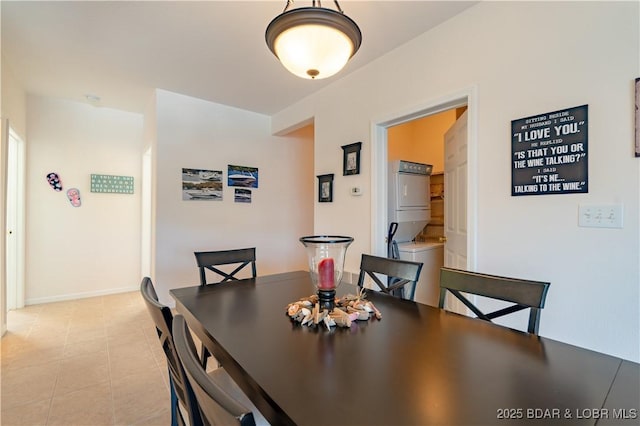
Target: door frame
{"points": [[146, 238], [379, 172]]}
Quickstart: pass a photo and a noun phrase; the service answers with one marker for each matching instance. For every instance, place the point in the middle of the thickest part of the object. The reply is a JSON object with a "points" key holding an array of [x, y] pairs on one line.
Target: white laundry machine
{"points": [[409, 198], [432, 257]]}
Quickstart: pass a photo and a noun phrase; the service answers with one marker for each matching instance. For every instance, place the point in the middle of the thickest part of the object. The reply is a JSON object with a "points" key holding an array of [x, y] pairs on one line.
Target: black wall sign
{"points": [[549, 153]]}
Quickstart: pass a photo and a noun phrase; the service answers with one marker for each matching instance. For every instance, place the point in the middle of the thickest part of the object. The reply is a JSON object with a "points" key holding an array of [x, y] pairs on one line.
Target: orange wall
{"points": [[421, 140]]}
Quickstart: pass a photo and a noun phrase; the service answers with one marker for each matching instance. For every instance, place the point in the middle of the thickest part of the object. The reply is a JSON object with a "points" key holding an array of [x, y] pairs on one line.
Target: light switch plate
{"points": [[600, 215]]}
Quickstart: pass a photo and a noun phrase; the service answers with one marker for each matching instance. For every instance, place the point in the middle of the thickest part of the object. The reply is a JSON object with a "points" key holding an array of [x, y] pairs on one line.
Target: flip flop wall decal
{"points": [[74, 197], [54, 181]]}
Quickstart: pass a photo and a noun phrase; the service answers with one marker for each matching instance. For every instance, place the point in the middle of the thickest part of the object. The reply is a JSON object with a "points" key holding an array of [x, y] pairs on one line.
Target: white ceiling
{"points": [[213, 50]]}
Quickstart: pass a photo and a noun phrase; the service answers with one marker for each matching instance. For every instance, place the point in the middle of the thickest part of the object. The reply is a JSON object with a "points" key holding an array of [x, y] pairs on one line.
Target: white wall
{"points": [[14, 100], [524, 58], [193, 133], [93, 249]]}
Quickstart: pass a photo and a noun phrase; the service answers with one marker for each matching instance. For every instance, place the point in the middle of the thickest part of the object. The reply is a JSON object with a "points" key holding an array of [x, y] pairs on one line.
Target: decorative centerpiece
{"points": [[326, 255], [348, 309]]}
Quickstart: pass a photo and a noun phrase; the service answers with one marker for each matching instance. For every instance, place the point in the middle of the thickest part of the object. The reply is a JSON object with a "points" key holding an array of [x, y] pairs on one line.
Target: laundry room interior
{"points": [[421, 238]]}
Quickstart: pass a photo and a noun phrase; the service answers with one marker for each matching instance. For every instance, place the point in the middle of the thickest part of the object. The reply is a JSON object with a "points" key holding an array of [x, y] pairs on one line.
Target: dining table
{"points": [[416, 365]]}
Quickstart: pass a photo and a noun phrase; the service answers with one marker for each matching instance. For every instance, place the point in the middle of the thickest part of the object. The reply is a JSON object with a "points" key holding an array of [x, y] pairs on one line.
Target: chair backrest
{"points": [[523, 293], [217, 406], [400, 273], [208, 260], [163, 319]]}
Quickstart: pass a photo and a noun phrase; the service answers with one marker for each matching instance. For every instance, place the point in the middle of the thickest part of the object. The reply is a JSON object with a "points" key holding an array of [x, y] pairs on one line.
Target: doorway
{"points": [[15, 214], [422, 140], [379, 161]]}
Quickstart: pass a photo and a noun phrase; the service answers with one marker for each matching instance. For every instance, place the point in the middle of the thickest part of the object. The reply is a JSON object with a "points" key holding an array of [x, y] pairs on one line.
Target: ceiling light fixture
{"points": [[94, 99], [313, 42]]}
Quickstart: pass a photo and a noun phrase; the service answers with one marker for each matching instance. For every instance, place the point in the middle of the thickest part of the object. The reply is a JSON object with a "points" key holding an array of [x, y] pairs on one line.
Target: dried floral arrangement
{"points": [[349, 308]]}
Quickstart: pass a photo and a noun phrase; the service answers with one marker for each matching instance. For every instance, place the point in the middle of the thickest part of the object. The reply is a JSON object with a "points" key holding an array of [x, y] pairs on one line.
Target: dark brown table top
{"points": [[418, 365]]}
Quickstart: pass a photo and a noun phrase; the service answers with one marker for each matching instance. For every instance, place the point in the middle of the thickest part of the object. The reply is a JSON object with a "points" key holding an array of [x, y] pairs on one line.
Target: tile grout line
{"points": [[106, 334], [53, 390]]}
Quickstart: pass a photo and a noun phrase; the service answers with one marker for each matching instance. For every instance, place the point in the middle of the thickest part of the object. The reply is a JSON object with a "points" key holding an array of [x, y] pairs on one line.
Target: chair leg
{"points": [[174, 403]]}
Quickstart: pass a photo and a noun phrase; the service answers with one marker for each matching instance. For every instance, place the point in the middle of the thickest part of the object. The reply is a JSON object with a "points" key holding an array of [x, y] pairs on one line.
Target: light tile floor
{"points": [[88, 362]]}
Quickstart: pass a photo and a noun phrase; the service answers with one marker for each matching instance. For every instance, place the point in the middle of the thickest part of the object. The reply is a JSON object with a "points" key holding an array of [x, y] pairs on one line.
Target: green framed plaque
{"points": [[112, 184]]}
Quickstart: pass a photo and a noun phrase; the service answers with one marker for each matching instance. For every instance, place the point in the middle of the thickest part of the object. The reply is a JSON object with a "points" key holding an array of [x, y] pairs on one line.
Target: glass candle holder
{"points": [[326, 255]]}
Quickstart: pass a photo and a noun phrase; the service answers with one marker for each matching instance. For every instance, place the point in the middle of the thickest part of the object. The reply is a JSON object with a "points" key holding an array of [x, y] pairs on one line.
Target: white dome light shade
{"points": [[313, 51], [313, 42]]}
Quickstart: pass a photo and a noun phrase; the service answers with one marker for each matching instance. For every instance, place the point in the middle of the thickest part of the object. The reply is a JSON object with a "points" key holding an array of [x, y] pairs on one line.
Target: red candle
{"points": [[325, 274]]}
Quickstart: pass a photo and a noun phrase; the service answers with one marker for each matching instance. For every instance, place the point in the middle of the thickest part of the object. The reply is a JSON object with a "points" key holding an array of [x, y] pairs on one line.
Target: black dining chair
{"points": [[180, 389], [523, 293], [399, 273], [220, 399], [212, 261]]}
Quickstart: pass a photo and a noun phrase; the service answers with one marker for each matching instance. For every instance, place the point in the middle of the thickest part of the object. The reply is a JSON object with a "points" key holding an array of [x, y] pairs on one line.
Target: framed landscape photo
{"points": [[351, 159], [242, 176], [637, 117], [325, 188], [201, 185]]}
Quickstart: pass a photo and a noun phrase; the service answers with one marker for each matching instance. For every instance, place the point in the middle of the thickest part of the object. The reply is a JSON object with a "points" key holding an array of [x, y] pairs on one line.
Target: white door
{"points": [[15, 222], [12, 219], [455, 204]]}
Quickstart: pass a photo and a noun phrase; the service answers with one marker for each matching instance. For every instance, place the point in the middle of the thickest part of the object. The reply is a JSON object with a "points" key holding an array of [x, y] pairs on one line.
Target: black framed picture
{"points": [[325, 188], [351, 159], [550, 153]]}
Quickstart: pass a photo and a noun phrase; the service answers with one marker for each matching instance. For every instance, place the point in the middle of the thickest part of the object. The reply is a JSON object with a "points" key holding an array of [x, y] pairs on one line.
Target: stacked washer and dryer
{"points": [[410, 207]]}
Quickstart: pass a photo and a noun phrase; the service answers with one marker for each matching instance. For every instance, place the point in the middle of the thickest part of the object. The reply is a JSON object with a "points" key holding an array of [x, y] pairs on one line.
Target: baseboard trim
{"points": [[76, 296]]}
